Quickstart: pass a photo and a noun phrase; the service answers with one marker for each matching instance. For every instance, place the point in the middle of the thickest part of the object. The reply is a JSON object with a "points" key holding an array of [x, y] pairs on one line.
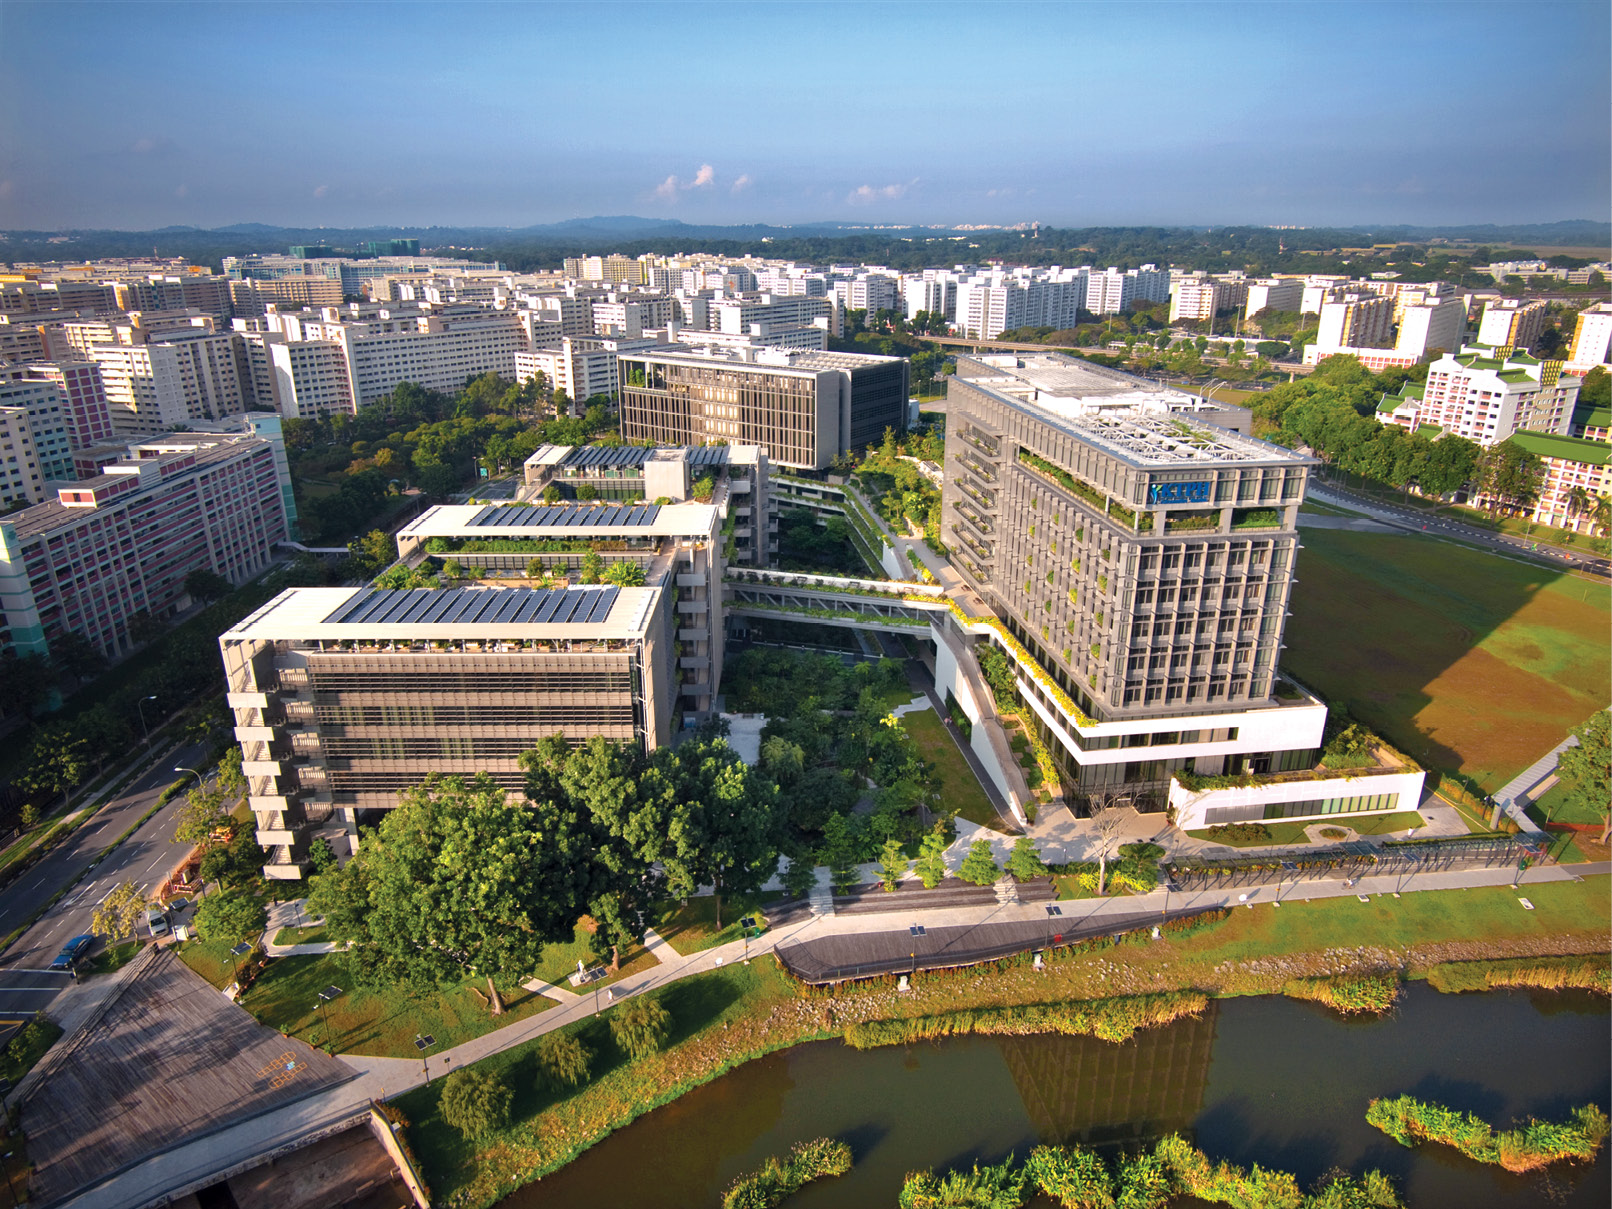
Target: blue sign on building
{"points": [[1178, 493]]}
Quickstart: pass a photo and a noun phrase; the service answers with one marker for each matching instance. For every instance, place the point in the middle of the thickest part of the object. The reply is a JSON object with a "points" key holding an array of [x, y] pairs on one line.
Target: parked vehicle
{"points": [[157, 921], [71, 952]]}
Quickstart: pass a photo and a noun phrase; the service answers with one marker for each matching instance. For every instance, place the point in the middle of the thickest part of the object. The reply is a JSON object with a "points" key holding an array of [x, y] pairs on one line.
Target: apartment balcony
{"points": [[247, 700], [276, 837], [694, 662], [691, 607]]}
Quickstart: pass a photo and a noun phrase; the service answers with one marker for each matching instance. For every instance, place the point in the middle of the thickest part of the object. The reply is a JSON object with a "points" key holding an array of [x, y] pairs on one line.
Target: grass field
{"points": [[692, 927], [1467, 661], [1293, 833], [384, 1023], [312, 935], [1556, 806], [560, 960], [959, 787]]}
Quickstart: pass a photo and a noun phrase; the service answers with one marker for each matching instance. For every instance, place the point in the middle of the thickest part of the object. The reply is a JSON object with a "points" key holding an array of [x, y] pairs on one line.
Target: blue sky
{"points": [[139, 115]]}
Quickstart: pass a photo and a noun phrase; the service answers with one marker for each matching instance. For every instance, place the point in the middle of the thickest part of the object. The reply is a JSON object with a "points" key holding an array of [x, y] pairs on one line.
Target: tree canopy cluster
{"points": [[426, 439], [828, 744], [1333, 411], [464, 880]]}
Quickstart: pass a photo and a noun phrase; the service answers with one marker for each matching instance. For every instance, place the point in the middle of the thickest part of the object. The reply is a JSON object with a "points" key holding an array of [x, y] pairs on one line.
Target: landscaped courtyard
{"points": [[1465, 660]]}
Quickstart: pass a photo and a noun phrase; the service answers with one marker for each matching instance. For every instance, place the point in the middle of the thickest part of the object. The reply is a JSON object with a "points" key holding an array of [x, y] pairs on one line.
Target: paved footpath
{"points": [[383, 1078]]}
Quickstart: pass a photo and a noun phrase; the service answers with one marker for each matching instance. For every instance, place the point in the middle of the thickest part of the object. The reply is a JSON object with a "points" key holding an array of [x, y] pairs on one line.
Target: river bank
{"points": [[742, 1012]]}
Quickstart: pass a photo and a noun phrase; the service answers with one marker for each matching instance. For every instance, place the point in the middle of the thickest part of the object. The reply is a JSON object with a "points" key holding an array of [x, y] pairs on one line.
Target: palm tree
{"points": [[1601, 515], [1578, 503]]}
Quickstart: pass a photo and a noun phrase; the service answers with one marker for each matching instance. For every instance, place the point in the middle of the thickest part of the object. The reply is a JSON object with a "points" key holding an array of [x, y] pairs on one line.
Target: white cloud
{"points": [[182, 191], [864, 195], [670, 188], [743, 183], [321, 190]]}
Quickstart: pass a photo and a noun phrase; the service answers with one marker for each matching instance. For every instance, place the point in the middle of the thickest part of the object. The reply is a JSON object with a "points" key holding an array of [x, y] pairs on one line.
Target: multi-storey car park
{"points": [[1144, 561]]}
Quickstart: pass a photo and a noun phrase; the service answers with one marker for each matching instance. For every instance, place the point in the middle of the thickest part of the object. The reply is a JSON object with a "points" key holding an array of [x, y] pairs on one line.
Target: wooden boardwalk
{"points": [[167, 1060], [866, 954]]}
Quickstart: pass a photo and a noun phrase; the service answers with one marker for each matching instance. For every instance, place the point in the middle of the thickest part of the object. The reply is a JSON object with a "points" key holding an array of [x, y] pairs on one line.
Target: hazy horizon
{"points": [[140, 116]]}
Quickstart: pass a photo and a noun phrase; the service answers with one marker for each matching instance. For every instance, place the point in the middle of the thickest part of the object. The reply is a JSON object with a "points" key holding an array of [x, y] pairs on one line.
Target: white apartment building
{"points": [[1476, 395], [869, 292], [169, 379], [384, 345], [739, 315], [1194, 298], [628, 317], [1274, 294], [1113, 290], [1356, 321], [933, 290], [20, 480], [990, 303], [1511, 323], [1592, 338], [1361, 325], [581, 366]]}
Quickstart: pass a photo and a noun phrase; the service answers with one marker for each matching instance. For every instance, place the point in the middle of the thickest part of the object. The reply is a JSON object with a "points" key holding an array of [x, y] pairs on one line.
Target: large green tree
{"points": [[456, 882], [1586, 770], [1509, 476]]}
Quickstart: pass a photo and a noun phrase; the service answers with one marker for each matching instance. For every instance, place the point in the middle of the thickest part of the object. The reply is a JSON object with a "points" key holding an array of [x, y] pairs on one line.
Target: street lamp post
{"points": [[238, 952], [140, 705], [325, 996], [200, 780], [423, 1042]]}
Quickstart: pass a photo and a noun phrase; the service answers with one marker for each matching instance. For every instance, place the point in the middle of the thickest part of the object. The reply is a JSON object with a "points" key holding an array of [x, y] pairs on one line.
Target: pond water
{"points": [[1265, 1080]]}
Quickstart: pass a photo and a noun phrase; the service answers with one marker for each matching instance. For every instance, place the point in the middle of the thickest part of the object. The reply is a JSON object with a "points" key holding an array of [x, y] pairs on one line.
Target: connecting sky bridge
{"points": [[867, 604]]}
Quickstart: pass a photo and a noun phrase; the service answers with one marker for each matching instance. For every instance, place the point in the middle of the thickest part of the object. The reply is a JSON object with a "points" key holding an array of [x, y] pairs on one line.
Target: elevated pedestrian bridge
{"points": [[895, 607]]}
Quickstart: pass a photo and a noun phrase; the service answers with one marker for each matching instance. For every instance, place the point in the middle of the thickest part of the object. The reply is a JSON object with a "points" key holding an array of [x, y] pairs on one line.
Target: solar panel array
{"points": [[478, 606], [562, 516], [592, 456]]}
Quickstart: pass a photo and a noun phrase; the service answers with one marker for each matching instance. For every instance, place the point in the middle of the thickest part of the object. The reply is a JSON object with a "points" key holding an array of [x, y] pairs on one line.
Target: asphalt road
{"points": [[145, 857], [1410, 519]]}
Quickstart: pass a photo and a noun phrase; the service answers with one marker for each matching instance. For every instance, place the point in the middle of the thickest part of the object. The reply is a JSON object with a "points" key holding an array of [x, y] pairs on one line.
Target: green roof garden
{"points": [[1566, 449]]}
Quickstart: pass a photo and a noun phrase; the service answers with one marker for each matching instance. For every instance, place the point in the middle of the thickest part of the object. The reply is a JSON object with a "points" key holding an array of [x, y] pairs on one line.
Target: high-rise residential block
{"points": [[122, 543], [1486, 398], [1592, 338], [1511, 323]]}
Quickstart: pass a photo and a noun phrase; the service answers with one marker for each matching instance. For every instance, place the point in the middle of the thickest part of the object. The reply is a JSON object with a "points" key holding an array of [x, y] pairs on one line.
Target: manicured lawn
{"points": [[1489, 914], [960, 789], [688, 929], [1467, 661], [560, 960], [114, 957], [301, 936], [1556, 806], [211, 959], [1289, 833], [379, 1022]]}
